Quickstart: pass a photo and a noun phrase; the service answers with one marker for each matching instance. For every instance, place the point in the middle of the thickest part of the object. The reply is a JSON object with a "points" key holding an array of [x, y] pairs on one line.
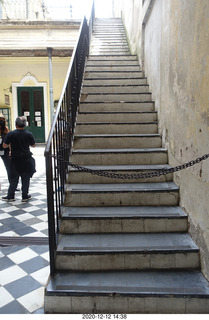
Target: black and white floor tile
{"points": [[25, 219], [24, 268], [23, 274]]}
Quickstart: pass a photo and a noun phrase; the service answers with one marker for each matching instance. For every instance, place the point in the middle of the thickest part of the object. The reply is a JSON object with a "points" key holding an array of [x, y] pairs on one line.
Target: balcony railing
{"points": [[59, 143]]}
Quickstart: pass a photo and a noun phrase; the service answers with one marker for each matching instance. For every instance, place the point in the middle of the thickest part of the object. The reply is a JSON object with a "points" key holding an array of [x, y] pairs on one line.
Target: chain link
{"points": [[149, 174]]}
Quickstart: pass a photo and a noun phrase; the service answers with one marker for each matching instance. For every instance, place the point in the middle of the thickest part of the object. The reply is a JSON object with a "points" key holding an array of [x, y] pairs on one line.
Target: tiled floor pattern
{"points": [[24, 269], [23, 275], [25, 219]]}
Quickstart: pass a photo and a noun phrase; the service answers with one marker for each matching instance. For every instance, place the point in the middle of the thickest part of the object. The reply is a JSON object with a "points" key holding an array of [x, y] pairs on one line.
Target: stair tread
{"points": [[122, 212], [126, 187], [100, 56], [114, 112], [120, 150], [115, 135], [131, 242], [146, 283], [115, 123], [127, 167]]}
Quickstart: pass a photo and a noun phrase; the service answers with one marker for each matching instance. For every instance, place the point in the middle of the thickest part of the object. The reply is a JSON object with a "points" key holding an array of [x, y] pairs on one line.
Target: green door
{"points": [[31, 105]]}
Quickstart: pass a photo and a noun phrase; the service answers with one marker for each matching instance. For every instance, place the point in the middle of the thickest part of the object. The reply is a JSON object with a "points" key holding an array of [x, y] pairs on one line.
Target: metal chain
{"points": [[132, 176]]}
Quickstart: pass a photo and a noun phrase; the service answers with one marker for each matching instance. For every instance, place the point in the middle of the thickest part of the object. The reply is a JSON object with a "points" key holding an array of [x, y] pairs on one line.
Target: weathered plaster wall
{"points": [[131, 13], [176, 62]]}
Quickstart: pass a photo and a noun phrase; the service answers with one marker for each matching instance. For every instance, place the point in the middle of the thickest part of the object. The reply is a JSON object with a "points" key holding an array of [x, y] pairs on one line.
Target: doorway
{"points": [[31, 105]]}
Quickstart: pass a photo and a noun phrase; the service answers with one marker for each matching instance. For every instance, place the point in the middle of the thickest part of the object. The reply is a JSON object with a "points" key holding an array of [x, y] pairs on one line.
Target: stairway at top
{"points": [[124, 245]]}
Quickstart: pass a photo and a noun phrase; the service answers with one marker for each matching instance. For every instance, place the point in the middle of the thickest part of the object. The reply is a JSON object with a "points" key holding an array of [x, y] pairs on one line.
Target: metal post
{"points": [[51, 84], [26, 4]]}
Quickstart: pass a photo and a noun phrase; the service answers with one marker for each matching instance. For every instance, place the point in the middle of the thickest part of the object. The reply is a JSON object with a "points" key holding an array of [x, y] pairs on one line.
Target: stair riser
{"points": [[115, 143], [125, 304], [127, 261], [108, 34], [112, 68], [105, 62], [113, 37], [115, 97], [116, 129], [118, 107], [115, 90], [111, 48], [119, 40], [94, 199], [117, 117], [108, 27], [110, 52], [113, 75], [119, 158], [141, 225], [112, 58], [108, 30], [114, 82], [84, 177]]}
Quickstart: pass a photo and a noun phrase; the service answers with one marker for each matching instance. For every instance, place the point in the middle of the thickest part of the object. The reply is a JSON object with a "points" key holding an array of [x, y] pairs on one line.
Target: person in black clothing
{"points": [[22, 162], [4, 153]]}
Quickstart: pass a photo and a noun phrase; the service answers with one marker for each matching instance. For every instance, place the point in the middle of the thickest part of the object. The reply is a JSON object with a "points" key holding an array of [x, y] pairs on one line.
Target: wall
{"points": [[175, 53], [13, 70], [131, 13]]}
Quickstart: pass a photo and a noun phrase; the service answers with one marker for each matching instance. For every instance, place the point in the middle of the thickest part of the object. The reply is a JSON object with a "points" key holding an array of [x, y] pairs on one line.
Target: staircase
{"points": [[124, 245]]}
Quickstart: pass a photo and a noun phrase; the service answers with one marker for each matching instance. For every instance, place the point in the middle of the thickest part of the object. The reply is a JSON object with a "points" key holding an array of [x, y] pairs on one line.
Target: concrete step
{"points": [[111, 141], [99, 39], [77, 176], [123, 219], [109, 42], [98, 35], [116, 34], [116, 117], [116, 68], [118, 107], [129, 97], [103, 61], [109, 48], [116, 128], [111, 58], [108, 83], [116, 194], [105, 45], [119, 251], [124, 292], [108, 27], [115, 89], [113, 75], [119, 156], [110, 52], [104, 29]]}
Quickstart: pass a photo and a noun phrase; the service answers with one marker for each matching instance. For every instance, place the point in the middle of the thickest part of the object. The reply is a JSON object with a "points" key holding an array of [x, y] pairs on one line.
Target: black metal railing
{"points": [[59, 143]]}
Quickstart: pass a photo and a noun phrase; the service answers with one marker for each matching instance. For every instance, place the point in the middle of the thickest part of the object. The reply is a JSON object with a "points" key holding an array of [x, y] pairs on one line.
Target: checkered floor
{"points": [[25, 219], [24, 269], [23, 274]]}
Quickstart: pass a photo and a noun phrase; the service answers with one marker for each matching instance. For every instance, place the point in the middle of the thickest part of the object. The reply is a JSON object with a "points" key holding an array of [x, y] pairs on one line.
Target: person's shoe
{"points": [[25, 199], [8, 199]]}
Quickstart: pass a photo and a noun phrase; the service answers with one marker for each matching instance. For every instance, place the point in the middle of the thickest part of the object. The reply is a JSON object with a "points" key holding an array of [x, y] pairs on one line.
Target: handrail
{"points": [[59, 142]]}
